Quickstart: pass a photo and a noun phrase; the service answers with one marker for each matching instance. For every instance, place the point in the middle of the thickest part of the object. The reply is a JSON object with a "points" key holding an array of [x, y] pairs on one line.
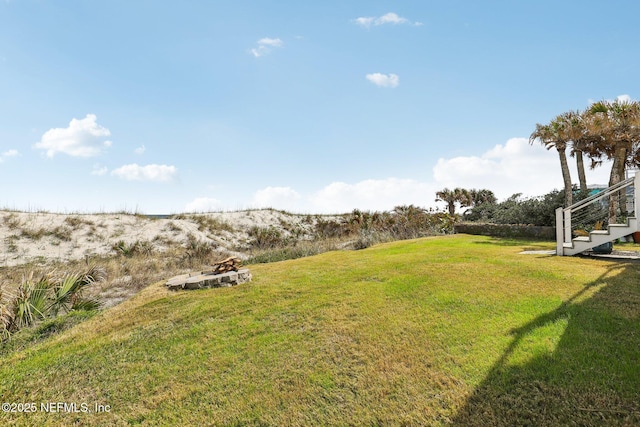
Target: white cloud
{"points": [[140, 149], [8, 153], [280, 197], [203, 204], [624, 98], [515, 167], [365, 21], [156, 173], [621, 98], [384, 80], [387, 18], [83, 138], [99, 170], [372, 194], [266, 41], [390, 18], [265, 45]]}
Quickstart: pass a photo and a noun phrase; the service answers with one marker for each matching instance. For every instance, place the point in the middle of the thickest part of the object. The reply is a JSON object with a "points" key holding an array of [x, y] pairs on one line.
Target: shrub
{"points": [[327, 229], [266, 237], [197, 250], [290, 252], [45, 297], [138, 247], [206, 223], [404, 222], [12, 221], [518, 210], [76, 222]]}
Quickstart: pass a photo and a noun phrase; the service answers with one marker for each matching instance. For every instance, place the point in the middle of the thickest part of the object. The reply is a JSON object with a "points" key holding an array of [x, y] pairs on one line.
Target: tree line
{"points": [[465, 198], [606, 130], [484, 206]]}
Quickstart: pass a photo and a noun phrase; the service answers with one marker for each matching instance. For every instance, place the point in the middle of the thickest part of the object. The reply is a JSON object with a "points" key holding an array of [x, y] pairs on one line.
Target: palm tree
{"points": [[616, 129], [576, 131], [552, 135], [479, 197], [451, 197]]}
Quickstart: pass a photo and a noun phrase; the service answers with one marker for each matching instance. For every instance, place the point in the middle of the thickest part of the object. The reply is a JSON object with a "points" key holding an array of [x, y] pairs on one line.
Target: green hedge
{"points": [[507, 230]]}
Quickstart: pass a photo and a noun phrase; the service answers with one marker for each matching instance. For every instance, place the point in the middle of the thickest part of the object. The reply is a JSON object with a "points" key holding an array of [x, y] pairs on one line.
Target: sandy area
{"points": [[36, 236]]}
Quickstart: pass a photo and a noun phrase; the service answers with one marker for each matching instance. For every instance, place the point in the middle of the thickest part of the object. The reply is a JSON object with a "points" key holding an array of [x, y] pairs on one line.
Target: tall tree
{"points": [[576, 131], [554, 135], [451, 197], [479, 197], [615, 129]]}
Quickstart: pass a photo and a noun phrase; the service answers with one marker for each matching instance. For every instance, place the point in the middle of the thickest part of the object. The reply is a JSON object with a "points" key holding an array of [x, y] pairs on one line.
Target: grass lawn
{"points": [[459, 330]]}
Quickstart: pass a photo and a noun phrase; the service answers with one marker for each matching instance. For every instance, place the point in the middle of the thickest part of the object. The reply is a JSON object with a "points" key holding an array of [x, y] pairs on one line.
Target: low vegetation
{"points": [[206, 223], [520, 210], [454, 330], [357, 230], [45, 297]]}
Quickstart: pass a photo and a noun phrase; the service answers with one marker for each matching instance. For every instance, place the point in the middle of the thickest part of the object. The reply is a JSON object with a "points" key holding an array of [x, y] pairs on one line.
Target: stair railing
{"points": [[594, 209]]}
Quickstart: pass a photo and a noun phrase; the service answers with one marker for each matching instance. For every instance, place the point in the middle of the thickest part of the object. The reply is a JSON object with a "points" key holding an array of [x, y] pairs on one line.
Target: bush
{"points": [[517, 210], [46, 297], [302, 250], [136, 248], [266, 237], [198, 251], [328, 229]]}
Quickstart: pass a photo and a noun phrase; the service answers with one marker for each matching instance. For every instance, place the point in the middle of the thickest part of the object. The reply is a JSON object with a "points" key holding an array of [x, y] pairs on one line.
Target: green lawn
{"points": [[459, 330]]}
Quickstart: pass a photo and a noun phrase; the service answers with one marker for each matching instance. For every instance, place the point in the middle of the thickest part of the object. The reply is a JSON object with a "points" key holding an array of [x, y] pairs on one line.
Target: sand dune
{"points": [[42, 236]]}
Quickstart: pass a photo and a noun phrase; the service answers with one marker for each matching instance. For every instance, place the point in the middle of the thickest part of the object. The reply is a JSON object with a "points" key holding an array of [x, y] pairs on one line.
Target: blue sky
{"points": [[164, 107]]}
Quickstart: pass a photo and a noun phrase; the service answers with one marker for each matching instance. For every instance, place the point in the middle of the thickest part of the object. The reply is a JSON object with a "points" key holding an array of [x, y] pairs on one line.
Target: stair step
{"points": [[601, 232], [581, 239]]}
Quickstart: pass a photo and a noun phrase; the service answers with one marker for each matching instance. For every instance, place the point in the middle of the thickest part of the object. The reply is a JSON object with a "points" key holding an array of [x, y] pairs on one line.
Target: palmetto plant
{"points": [[31, 302], [67, 293], [44, 297], [6, 316]]}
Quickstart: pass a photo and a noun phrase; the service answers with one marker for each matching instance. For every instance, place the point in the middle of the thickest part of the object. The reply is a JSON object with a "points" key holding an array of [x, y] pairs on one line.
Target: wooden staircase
{"points": [[571, 237]]}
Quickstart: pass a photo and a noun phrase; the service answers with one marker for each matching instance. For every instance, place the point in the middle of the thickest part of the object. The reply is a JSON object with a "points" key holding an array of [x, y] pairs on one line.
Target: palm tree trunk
{"points": [[452, 208], [581, 175], [566, 176], [617, 172]]}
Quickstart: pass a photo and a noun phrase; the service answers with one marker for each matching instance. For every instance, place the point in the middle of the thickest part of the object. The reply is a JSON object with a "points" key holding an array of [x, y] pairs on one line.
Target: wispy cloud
{"points": [[7, 154], [82, 138], [283, 197], [265, 46], [99, 170], [140, 149], [624, 98], [203, 204], [370, 194], [154, 173], [388, 18], [384, 80]]}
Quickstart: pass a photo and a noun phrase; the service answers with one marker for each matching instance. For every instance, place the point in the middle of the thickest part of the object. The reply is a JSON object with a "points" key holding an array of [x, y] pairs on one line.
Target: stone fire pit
{"points": [[208, 279]]}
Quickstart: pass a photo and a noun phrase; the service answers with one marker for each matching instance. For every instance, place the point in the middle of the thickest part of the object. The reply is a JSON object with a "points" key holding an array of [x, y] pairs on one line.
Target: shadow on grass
{"points": [[592, 377], [508, 241]]}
